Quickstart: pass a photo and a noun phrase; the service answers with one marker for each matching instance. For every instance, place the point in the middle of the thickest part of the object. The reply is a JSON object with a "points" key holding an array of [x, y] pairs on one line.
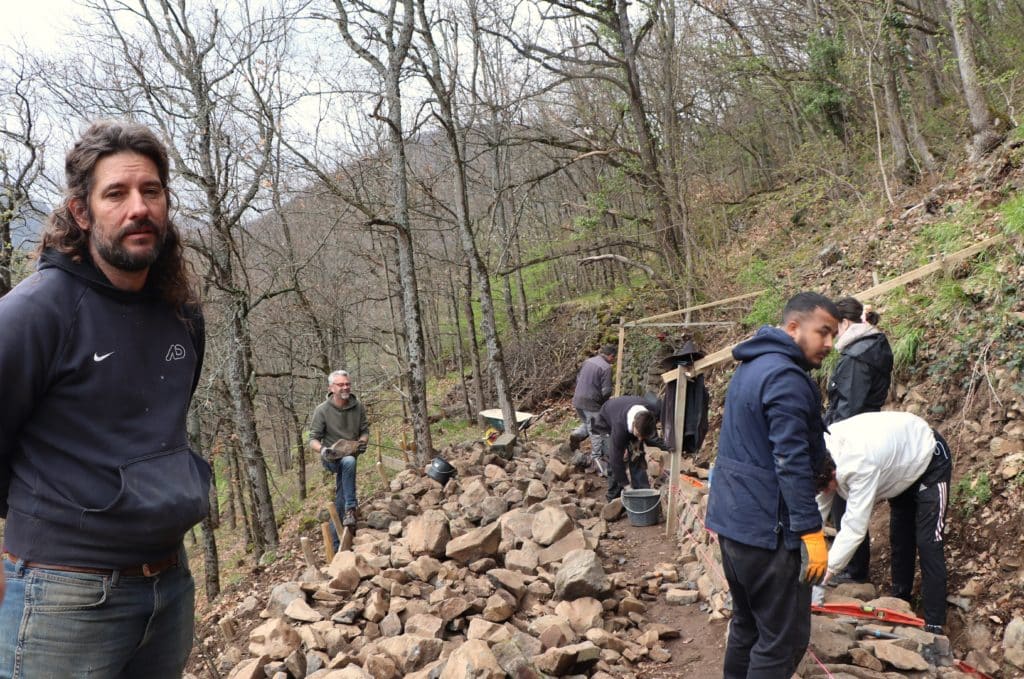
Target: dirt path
{"points": [[700, 648]]}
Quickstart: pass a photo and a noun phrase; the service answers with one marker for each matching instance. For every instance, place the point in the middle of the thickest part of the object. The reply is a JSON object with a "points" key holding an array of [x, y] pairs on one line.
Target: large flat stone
{"points": [[476, 544]]}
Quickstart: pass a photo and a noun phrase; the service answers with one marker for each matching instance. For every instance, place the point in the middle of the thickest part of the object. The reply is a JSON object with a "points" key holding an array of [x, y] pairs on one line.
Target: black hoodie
{"points": [[93, 443]]}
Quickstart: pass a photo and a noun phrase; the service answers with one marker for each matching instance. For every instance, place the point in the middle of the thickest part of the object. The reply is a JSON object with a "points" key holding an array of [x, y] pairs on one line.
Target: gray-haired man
{"points": [[339, 431]]}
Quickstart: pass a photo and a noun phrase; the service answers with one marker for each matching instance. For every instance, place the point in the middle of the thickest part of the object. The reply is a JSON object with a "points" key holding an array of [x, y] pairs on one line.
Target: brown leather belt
{"points": [[147, 569]]}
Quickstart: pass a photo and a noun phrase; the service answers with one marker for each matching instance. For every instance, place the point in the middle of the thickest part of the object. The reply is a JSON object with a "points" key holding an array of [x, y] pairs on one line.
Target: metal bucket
{"points": [[440, 470], [643, 506]]}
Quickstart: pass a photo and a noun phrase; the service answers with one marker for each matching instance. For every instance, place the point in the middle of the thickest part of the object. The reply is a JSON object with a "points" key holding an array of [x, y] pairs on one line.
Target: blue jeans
{"points": [[597, 441], [344, 489], [63, 625]]}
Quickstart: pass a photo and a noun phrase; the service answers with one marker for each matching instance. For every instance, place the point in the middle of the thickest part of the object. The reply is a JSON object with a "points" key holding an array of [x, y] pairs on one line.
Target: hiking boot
{"points": [[575, 440], [350, 518], [935, 629]]}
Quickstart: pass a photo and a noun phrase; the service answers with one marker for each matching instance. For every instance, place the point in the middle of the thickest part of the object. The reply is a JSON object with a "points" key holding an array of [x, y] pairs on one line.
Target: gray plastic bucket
{"points": [[643, 506]]}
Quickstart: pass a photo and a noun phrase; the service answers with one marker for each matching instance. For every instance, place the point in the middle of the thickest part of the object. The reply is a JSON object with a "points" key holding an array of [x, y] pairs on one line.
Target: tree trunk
{"points": [[240, 496], [984, 136], [6, 252], [300, 456], [521, 287], [233, 501], [918, 144], [211, 562], [239, 374], [924, 49], [904, 168], [411, 314], [445, 110], [474, 346], [460, 346], [647, 145], [396, 48]]}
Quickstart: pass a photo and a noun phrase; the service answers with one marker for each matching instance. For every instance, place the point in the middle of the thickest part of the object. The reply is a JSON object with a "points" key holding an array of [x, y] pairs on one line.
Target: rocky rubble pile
{"points": [[502, 572], [496, 574]]}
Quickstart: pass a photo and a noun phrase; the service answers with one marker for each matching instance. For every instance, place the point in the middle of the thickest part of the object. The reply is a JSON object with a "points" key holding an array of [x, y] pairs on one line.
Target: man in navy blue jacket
{"points": [[101, 349], [762, 498]]}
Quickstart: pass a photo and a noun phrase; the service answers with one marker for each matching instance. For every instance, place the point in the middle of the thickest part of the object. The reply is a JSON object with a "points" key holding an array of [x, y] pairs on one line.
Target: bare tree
{"points": [[391, 29], [443, 83], [21, 157], [604, 51]]}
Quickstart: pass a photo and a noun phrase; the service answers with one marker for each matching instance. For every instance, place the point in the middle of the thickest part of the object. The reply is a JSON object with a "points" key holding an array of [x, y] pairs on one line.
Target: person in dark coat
{"points": [[627, 423], [762, 498], [859, 384], [593, 387], [861, 379]]}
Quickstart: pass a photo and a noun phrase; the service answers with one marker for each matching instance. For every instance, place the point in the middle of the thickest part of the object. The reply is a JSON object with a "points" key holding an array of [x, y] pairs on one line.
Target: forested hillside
{"points": [[457, 200]]}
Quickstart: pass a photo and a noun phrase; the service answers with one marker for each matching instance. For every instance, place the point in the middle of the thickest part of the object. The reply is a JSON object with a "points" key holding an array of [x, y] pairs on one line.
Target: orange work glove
{"points": [[813, 558]]}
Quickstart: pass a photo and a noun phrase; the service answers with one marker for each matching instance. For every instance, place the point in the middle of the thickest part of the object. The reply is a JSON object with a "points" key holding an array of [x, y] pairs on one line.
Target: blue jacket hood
{"points": [[770, 340]]}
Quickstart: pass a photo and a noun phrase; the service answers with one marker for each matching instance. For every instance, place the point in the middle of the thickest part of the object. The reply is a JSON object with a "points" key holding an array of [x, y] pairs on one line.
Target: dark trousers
{"points": [[916, 520], [617, 472], [859, 566], [771, 611]]}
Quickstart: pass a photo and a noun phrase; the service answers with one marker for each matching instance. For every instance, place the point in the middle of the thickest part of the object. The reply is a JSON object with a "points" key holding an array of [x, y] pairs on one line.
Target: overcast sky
{"points": [[39, 22]]}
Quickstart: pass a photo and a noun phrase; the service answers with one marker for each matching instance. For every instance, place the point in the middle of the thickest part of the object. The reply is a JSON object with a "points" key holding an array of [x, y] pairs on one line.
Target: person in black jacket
{"points": [[102, 348], [628, 422], [859, 384], [861, 379]]}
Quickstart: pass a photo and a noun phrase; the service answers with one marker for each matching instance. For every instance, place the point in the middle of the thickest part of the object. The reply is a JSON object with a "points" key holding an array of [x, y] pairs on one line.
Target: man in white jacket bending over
{"points": [[896, 457]]}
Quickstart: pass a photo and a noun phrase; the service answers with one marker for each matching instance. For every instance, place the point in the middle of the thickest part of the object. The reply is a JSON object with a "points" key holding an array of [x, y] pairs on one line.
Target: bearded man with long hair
{"points": [[102, 348]]}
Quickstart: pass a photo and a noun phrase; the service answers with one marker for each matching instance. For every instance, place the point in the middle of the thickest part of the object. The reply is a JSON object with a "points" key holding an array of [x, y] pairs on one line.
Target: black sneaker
{"points": [[350, 518], [845, 578], [935, 629]]}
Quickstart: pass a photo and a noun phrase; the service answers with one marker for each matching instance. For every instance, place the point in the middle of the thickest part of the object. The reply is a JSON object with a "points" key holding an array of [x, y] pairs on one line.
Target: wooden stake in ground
{"points": [[618, 356], [325, 531], [227, 628], [380, 462], [344, 533], [679, 424], [307, 551]]}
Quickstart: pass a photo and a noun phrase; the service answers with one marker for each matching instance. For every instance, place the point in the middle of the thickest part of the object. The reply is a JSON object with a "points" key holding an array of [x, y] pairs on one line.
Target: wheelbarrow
{"points": [[496, 423]]}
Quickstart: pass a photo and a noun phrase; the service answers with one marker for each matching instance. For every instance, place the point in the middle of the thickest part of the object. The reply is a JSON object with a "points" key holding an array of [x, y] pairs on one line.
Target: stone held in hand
{"points": [[341, 448]]}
